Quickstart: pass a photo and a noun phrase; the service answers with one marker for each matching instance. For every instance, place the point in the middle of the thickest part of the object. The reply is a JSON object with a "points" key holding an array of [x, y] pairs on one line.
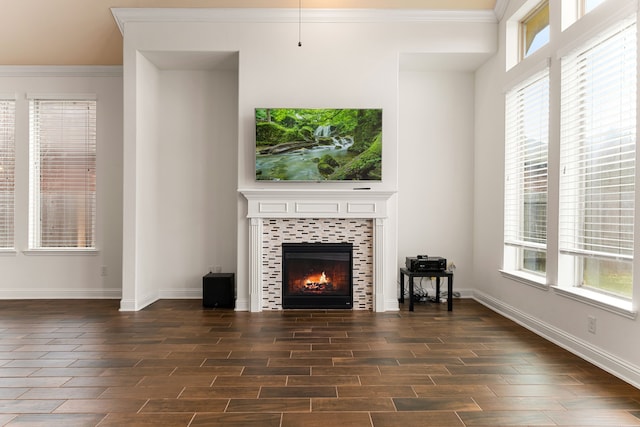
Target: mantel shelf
{"points": [[316, 203]]}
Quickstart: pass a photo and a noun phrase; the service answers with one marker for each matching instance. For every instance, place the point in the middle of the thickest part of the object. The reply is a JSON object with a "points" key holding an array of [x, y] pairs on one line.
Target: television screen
{"points": [[330, 144]]}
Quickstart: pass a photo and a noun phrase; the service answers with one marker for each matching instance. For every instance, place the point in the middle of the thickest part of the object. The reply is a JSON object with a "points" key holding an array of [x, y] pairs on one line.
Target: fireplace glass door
{"points": [[317, 275]]}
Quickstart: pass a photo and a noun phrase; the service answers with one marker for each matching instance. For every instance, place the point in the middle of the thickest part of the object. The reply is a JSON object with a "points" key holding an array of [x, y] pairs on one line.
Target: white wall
{"points": [[342, 63], [545, 311], [197, 163], [68, 275], [184, 198], [435, 201]]}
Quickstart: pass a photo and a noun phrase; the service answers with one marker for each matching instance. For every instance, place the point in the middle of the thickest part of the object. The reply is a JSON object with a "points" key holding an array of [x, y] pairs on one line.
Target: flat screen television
{"points": [[319, 144]]}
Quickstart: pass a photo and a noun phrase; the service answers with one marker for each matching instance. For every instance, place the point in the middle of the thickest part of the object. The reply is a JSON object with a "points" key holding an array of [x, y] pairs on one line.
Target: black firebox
{"points": [[317, 275]]}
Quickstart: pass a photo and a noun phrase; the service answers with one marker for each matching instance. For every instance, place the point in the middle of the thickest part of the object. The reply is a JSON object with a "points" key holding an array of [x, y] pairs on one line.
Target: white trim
{"points": [[8, 96], [124, 16], [608, 303], [622, 369], [500, 8], [62, 251], [69, 96], [576, 36], [524, 70], [60, 70], [190, 293], [287, 203], [527, 279], [57, 293], [379, 255]]}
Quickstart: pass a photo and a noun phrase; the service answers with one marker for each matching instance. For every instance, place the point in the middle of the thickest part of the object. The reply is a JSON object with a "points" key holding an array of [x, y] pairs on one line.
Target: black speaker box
{"points": [[218, 290]]}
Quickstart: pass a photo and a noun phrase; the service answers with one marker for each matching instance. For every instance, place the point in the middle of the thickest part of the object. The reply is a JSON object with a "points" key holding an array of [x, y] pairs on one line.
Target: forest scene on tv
{"points": [[318, 144]]}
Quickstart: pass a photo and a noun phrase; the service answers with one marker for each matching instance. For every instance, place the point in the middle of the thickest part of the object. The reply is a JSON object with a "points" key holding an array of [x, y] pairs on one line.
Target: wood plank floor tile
{"points": [[593, 418], [63, 393], [235, 420], [473, 391], [292, 392], [100, 406], [28, 406], [316, 419], [269, 405], [505, 418], [55, 420], [376, 391], [185, 405], [353, 404], [405, 419], [146, 420], [435, 404], [220, 392]]}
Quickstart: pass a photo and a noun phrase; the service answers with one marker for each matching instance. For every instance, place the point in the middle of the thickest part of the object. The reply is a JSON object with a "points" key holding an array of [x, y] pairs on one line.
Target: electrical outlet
{"points": [[103, 271], [591, 324]]}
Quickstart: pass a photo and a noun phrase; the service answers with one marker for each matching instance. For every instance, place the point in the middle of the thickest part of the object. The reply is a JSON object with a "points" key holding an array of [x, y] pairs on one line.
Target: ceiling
{"points": [[84, 32]]}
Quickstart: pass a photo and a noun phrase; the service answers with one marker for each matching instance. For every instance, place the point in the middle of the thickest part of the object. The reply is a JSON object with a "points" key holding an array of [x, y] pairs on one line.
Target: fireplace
{"points": [[282, 215], [317, 275]]}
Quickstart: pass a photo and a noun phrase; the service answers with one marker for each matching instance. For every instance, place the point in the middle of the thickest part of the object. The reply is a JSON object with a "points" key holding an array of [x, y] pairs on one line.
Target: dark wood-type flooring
{"points": [[84, 363]]}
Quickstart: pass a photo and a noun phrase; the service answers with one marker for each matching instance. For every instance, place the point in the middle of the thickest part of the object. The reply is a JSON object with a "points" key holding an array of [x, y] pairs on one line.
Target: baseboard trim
{"points": [[585, 350], [48, 293]]}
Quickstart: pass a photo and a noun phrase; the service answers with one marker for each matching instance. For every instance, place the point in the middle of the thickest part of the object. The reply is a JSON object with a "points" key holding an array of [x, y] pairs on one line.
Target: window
{"points": [[527, 141], [62, 173], [573, 10], [587, 6], [7, 172], [535, 30], [597, 175]]}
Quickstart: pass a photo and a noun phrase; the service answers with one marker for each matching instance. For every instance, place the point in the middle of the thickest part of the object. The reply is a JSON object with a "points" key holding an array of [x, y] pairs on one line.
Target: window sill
{"points": [[527, 279], [7, 252], [609, 303], [61, 251]]}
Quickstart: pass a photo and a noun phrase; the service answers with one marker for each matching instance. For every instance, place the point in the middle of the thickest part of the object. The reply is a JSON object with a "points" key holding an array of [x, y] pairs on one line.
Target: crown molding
{"points": [[500, 8], [60, 70], [260, 15]]}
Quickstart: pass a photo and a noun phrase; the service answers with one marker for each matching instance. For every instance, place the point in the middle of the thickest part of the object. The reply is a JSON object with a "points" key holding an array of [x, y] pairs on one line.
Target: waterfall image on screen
{"points": [[295, 144]]}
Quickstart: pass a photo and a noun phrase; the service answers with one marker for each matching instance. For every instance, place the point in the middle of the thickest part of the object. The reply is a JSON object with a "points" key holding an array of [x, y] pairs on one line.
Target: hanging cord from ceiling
{"points": [[299, 23]]}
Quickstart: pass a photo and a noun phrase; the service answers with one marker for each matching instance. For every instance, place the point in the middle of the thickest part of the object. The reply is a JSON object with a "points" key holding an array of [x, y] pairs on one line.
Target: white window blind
{"points": [[598, 140], [527, 141], [7, 172], [63, 173]]}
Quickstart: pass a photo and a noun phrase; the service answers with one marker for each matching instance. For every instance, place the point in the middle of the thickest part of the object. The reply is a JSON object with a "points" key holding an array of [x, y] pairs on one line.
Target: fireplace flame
{"points": [[317, 282], [322, 280]]}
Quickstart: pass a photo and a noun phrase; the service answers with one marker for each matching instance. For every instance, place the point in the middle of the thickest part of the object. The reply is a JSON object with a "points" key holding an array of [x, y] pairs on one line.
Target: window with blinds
{"points": [[598, 145], [7, 172], [62, 173], [525, 198]]}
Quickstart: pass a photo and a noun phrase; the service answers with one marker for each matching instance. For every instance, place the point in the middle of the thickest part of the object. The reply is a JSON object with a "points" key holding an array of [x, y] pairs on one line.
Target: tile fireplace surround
{"points": [[314, 208]]}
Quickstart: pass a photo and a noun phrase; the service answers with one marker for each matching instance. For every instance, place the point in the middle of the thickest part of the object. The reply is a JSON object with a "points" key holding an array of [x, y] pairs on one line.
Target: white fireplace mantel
{"points": [[316, 203]]}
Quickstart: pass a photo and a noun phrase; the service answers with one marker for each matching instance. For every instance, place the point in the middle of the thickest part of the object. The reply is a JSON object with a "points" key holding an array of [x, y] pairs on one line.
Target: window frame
{"points": [[518, 150], [8, 149], [523, 25], [88, 178], [571, 260]]}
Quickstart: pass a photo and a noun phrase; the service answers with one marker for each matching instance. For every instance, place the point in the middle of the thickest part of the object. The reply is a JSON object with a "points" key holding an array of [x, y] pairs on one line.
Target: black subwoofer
{"points": [[218, 290]]}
